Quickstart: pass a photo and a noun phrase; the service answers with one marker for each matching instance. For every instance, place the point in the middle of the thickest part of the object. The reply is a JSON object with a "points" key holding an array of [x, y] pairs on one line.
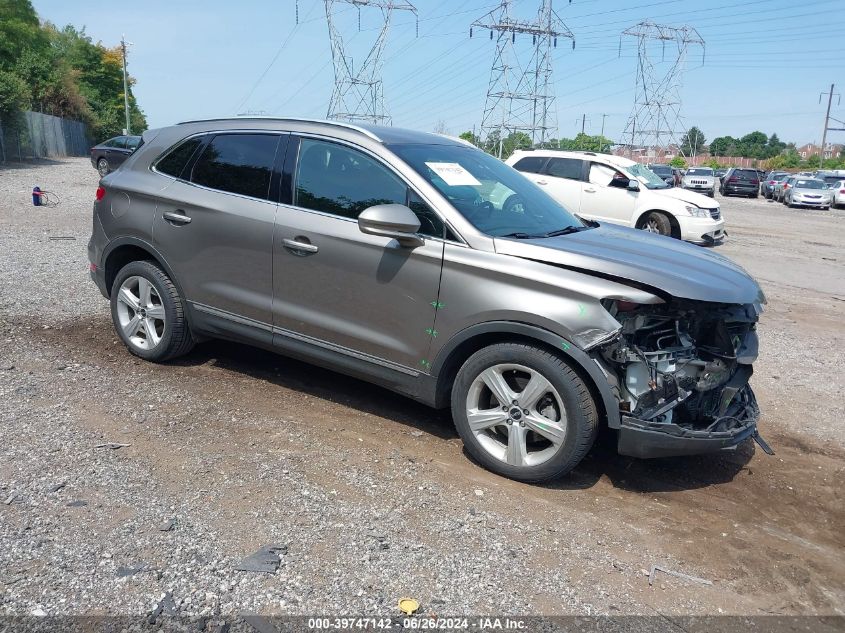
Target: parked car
{"points": [[808, 192], [110, 154], [666, 172], [838, 192], [782, 186], [701, 180], [620, 191], [720, 173], [767, 185], [380, 253], [740, 181]]}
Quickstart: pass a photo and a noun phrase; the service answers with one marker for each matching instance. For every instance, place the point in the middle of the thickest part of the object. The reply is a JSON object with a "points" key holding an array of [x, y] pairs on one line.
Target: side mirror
{"points": [[391, 220], [633, 185]]}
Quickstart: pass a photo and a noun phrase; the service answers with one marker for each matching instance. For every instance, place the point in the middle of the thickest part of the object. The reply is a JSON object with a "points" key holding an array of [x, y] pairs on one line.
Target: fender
{"points": [[575, 355]]}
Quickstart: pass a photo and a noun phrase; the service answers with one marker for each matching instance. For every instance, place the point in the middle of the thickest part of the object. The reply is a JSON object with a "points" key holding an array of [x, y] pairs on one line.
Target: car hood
{"points": [[690, 197], [666, 264]]}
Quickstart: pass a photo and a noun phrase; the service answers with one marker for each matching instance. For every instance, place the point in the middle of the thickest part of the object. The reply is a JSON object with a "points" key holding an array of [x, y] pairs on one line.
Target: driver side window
{"points": [[601, 174], [339, 180]]}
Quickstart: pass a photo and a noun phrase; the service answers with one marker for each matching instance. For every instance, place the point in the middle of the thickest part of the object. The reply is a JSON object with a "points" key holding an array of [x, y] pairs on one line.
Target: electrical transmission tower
{"points": [[358, 95], [521, 98], [656, 119]]}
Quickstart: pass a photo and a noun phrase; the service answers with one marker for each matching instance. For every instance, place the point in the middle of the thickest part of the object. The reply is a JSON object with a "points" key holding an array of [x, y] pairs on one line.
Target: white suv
{"points": [[620, 191]]}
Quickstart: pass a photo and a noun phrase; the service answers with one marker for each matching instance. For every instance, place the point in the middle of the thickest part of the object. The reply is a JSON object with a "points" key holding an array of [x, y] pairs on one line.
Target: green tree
{"points": [[472, 138], [693, 142], [721, 145], [678, 162], [753, 145], [14, 96]]}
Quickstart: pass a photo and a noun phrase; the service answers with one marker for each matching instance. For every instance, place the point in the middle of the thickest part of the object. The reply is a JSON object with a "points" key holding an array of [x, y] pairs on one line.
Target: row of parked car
{"points": [[821, 189]]}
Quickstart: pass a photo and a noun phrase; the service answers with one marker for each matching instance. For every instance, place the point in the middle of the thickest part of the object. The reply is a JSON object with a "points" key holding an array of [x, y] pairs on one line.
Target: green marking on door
{"points": [[431, 331], [565, 346], [581, 310], [425, 363], [437, 305]]}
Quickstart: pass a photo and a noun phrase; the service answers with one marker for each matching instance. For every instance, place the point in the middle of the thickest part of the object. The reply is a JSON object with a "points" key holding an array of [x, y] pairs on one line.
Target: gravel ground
{"points": [[371, 496]]}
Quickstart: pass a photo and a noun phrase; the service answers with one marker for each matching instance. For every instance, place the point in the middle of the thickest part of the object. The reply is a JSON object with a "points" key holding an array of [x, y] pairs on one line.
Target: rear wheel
{"points": [[103, 167], [148, 313], [522, 412], [656, 222]]}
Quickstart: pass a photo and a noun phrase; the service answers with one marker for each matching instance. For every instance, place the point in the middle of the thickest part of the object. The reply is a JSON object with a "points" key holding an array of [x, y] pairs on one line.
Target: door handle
{"points": [[176, 217], [295, 245], [590, 190], [542, 182]]}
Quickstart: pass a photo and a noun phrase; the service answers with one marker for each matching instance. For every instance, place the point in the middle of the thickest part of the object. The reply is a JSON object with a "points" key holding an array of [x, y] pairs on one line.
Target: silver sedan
{"points": [[807, 192]]}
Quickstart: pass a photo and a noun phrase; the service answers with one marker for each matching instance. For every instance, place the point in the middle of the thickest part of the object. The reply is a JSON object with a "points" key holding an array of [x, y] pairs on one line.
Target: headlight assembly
{"points": [[697, 212]]}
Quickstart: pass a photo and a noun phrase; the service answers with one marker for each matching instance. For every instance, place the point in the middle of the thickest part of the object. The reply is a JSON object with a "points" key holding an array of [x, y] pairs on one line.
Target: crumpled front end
{"points": [[680, 372]]}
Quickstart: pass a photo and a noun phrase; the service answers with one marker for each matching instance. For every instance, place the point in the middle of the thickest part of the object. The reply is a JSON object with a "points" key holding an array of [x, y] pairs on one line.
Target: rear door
{"points": [[561, 179], [335, 287], [214, 223]]}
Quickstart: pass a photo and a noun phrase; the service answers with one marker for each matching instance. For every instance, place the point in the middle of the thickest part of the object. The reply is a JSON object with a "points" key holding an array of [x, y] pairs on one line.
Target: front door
{"points": [[336, 287], [604, 201], [214, 226]]}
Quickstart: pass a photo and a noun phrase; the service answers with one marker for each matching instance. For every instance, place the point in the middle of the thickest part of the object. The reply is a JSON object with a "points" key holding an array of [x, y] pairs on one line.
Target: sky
{"points": [[763, 67]]}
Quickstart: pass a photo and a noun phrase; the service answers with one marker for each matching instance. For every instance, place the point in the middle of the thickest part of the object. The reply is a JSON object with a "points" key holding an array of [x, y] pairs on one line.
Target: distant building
{"points": [[831, 150]]}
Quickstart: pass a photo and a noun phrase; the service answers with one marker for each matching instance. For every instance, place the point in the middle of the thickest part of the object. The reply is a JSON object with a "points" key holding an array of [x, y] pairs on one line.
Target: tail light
{"points": [[842, 191], [101, 193]]}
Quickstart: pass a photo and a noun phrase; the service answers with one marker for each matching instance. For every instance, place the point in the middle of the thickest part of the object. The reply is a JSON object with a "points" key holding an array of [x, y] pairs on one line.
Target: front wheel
{"points": [[656, 222], [148, 313], [523, 412]]}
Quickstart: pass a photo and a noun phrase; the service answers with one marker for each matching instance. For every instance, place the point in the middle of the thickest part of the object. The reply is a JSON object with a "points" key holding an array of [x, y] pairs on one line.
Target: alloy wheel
{"points": [[516, 415], [140, 312], [103, 167]]}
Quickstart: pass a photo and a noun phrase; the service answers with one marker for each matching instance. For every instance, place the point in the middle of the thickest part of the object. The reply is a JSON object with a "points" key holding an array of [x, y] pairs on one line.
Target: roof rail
{"points": [[349, 126]]}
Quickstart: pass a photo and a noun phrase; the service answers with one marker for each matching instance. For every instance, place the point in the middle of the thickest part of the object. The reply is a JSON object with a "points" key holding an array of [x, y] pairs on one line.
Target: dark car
{"points": [[666, 173], [110, 154], [767, 185], [740, 182]]}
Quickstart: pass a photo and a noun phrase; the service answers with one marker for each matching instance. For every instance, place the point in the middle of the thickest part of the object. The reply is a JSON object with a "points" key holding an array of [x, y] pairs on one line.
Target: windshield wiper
{"points": [[566, 231], [523, 236]]}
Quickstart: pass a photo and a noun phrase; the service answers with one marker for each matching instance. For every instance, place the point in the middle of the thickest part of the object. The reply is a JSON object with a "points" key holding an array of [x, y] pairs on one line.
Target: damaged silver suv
{"points": [[424, 265]]}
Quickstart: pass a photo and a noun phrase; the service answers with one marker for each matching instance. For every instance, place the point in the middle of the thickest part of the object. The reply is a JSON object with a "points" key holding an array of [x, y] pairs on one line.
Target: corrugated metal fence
{"points": [[42, 136]]}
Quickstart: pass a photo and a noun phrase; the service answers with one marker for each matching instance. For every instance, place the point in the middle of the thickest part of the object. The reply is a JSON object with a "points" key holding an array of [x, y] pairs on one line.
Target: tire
{"points": [[754, 195], [559, 393], [656, 222], [136, 318], [103, 167]]}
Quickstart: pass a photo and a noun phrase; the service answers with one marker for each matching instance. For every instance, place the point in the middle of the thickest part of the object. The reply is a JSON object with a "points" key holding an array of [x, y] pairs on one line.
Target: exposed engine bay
{"points": [[683, 367]]}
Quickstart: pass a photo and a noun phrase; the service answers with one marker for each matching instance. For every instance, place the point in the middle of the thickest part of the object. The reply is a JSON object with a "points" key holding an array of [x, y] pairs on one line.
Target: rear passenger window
{"points": [[530, 164], [565, 168], [175, 160], [342, 181], [238, 163]]}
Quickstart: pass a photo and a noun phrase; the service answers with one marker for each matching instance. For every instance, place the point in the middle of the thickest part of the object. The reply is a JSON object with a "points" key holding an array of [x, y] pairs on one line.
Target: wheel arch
{"points": [[465, 343], [673, 221], [124, 250]]}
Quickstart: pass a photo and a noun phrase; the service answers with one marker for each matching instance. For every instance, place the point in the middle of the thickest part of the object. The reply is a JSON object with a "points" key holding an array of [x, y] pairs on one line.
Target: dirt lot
{"points": [[371, 493]]}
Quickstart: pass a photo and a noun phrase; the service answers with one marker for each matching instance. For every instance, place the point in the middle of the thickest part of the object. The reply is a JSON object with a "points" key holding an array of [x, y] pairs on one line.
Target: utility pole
{"points": [[123, 45], [827, 121]]}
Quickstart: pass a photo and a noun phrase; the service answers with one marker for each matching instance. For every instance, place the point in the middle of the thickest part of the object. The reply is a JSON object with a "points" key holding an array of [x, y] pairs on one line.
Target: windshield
{"points": [[663, 170], [646, 176], [809, 184], [495, 198], [700, 171]]}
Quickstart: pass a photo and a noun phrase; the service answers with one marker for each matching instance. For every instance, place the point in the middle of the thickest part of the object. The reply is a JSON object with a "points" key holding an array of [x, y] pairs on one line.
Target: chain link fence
{"points": [[36, 135]]}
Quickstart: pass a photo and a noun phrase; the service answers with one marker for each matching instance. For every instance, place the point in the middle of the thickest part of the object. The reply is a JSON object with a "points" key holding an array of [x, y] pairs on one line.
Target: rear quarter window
{"points": [[173, 162], [530, 164]]}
